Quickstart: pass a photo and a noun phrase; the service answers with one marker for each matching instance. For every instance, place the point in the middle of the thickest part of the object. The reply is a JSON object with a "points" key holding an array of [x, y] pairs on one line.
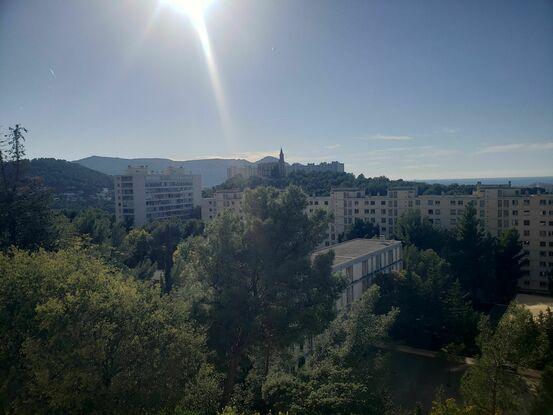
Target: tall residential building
{"points": [[142, 196], [499, 207]]}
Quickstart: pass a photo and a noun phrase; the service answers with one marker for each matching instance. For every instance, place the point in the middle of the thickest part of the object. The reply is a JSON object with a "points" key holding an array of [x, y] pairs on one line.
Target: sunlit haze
{"points": [[437, 89]]}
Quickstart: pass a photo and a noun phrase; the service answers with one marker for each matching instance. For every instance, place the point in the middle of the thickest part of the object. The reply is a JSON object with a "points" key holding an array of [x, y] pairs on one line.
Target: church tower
{"points": [[281, 164]]}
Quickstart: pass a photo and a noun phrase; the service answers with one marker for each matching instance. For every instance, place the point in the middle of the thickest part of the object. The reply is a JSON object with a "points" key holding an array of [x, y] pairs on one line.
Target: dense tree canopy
{"points": [[78, 337], [261, 289]]}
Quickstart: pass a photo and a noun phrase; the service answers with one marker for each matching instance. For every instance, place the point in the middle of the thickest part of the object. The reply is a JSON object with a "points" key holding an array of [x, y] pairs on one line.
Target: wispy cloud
{"points": [[447, 130], [384, 137], [333, 146], [515, 147]]}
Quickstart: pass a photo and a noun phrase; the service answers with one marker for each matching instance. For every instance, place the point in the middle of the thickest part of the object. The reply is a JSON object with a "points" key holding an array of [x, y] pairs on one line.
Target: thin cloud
{"points": [[333, 146], [387, 137], [516, 147]]}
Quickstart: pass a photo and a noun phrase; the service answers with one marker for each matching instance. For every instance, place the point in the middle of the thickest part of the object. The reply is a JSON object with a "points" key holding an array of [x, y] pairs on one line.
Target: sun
{"points": [[193, 9]]}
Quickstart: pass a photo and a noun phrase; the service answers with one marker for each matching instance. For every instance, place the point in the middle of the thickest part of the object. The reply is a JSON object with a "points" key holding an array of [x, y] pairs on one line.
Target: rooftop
{"points": [[535, 303], [355, 248]]}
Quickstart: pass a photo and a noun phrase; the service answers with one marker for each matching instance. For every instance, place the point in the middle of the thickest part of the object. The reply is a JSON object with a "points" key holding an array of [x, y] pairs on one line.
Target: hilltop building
{"points": [[142, 196], [276, 169], [334, 167], [499, 207]]}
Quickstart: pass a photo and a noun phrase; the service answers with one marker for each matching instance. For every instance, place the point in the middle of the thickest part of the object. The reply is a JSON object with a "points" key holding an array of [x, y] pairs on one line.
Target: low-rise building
{"points": [[360, 260], [142, 196]]}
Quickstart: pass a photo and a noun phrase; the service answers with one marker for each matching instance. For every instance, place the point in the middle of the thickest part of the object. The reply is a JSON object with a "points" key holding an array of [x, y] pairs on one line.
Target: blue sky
{"points": [[413, 89]]}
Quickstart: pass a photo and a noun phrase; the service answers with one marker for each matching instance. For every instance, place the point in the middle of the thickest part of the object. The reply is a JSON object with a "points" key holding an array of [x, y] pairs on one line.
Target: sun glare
{"points": [[193, 9]]}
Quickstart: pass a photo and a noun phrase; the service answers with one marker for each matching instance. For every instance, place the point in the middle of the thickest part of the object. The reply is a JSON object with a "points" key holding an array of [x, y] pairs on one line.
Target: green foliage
{"points": [[361, 229], [508, 265], [79, 337], [99, 226], [320, 183], [74, 187], [166, 235], [259, 288], [487, 268], [26, 220], [473, 257], [543, 404], [433, 312], [344, 372], [412, 229], [449, 407], [137, 246], [493, 385]]}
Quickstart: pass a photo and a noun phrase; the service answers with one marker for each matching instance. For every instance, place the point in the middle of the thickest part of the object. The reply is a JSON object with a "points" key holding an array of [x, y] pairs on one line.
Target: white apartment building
{"points": [[142, 196], [499, 207], [360, 260]]}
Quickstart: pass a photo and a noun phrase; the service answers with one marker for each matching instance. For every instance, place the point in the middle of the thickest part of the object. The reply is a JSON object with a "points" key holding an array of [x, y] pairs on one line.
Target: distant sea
{"points": [[515, 181]]}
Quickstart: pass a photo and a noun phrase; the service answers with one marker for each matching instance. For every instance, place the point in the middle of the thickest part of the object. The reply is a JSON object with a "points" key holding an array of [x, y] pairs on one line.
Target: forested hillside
{"points": [[73, 186]]}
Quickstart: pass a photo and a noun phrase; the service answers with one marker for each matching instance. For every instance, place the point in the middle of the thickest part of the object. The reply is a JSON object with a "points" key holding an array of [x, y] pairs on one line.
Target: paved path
{"points": [[529, 373]]}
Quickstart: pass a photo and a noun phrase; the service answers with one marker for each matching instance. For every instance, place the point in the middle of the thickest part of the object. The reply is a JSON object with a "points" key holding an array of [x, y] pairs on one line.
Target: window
{"points": [[349, 273]]}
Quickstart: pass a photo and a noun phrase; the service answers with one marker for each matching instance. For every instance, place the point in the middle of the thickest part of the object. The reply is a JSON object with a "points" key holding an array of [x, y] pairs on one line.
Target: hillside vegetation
{"points": [[73, 186], [320, 183]]}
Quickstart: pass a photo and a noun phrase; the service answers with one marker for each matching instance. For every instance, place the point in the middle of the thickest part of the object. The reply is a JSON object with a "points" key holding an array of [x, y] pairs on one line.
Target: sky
{"points": [[407, 89]]}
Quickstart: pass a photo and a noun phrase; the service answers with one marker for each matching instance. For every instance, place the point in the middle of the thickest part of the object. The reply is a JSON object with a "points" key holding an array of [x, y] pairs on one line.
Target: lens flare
{"points": [[195, 10]]}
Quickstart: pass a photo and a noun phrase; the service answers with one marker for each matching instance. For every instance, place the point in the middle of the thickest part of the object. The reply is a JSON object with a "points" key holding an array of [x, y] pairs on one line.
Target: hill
{"points": [[213, 171], [73, 186]]}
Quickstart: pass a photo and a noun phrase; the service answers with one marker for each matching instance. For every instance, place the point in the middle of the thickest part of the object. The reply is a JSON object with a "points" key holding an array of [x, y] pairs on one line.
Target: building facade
{"points": [[142, 196], [334, 167], [499, 207], [360, 260]]}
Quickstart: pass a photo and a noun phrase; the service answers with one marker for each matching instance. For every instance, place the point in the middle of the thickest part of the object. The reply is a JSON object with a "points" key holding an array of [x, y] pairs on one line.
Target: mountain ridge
{"points": [[212, 170]]}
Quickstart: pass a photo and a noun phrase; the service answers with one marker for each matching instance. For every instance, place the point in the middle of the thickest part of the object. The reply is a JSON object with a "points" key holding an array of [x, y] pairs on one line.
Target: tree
{"points": [[261, 291], [473, 257], [508, 265], [412, 229], [343, 372], [166, 235], [137, 246], [78, 337], [361, 229], [26, 219], [433, 311], [543, 404], [492, 385]]}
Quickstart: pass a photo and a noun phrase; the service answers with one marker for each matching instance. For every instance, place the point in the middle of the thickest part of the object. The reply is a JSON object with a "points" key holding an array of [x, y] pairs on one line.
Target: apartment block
{"points": [[360, 260], [222, 200], [499, 207], [142, 196]]}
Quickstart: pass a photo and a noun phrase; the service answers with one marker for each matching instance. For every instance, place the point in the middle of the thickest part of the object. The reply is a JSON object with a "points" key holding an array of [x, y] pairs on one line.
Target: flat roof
{"points": [[535, 303], [355, 248]]}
